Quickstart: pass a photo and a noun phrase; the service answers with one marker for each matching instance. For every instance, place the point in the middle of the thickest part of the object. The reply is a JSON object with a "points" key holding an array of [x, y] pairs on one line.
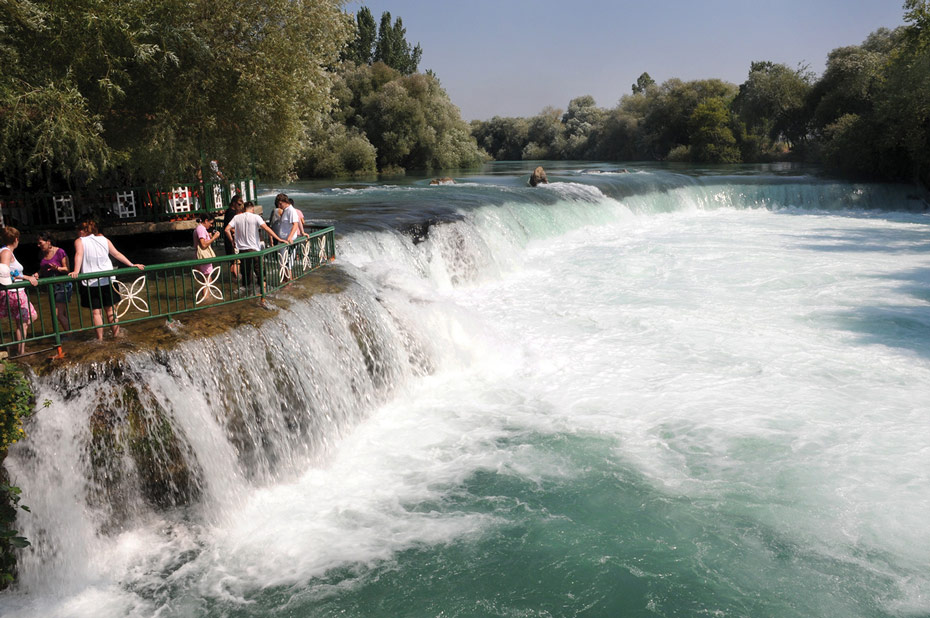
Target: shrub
{"points": [[16, 402]]}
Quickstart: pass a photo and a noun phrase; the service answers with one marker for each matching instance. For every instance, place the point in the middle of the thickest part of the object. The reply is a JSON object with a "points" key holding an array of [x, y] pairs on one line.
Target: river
{"points": [[651, 391]]}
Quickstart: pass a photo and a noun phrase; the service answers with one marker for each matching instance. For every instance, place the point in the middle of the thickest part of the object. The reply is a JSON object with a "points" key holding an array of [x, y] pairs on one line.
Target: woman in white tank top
{"points": [[15, 307], [92, 251]]}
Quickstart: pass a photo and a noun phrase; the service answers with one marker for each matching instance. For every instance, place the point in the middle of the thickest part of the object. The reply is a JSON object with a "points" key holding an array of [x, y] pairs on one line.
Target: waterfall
{"points": [[140, 465], [190, 431]]}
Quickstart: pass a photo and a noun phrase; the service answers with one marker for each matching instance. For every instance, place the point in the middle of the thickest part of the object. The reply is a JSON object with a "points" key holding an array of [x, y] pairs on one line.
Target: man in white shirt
{"points": [[242, 231], [289, 225]]}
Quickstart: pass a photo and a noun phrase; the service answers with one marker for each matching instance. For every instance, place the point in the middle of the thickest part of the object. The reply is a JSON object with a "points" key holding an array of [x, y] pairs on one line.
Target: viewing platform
{"points": [[159, 291]]}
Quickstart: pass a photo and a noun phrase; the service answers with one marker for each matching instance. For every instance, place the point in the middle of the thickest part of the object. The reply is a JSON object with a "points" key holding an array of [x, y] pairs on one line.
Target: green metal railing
{"points": [[159, 291]]}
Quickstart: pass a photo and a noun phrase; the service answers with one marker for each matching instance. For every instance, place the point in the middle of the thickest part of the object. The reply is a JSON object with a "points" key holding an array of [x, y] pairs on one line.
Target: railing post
{"points": [[54, 311], [261, 274]]}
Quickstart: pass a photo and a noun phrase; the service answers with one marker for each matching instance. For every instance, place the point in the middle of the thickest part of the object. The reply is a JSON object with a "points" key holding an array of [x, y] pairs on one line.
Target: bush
{"points": [[679, 154], [358, 155], [16, 402]]}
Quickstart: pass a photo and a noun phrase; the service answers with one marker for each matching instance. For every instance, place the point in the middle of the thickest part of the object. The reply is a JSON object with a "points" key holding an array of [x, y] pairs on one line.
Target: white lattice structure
{"points": [[125, 205], [180, 200], [217, 197], [64, 208]]}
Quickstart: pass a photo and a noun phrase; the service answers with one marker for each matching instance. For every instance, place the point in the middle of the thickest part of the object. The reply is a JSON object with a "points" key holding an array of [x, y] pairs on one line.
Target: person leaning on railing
{"points": [[243, 230], [235, 208], [54, 263], [14, 304], [92, 251]]}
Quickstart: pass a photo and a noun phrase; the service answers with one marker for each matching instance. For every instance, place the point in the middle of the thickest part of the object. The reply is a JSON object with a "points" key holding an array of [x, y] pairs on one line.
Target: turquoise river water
{"points": [[653, 392]]}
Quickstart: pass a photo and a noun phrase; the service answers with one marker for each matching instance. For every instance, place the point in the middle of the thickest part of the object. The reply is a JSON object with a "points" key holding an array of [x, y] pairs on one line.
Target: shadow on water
{"points": [[904, 326], [900, 326], [869, 241]]}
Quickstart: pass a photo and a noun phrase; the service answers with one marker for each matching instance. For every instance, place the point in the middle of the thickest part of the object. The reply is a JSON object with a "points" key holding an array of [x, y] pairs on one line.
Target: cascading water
{"points": [[639, 393]]}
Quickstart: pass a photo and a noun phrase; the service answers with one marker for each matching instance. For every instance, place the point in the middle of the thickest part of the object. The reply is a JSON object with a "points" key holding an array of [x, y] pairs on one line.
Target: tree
{"points": [[579, 122], [643, 82], [851, 79], [772, 101], [408, 121], [392, 47], [669, 108], [902, 101], [711, 139], [544, 135], [503, 138], [361, 49], [150, 88]]}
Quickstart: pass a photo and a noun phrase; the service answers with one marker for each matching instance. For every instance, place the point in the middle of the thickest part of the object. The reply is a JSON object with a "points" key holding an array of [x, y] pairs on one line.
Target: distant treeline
{"points": [[113, 92], [867, 116]]}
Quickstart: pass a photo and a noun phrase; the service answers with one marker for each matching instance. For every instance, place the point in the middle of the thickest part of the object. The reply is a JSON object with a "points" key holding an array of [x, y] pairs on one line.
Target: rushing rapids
{"points": [[641, 393]]}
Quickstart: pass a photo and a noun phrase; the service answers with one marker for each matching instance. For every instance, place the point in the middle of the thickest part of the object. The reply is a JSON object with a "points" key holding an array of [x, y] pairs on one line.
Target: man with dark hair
{"points": [[243, 230]]}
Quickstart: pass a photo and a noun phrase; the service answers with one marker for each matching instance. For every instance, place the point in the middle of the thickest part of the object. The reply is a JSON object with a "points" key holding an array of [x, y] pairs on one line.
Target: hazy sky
{"points": [[514, 57]]}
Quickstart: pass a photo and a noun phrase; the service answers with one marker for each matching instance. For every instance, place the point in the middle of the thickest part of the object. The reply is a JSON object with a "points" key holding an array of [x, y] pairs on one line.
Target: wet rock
{"points": [[137, 457], [442, 181]]}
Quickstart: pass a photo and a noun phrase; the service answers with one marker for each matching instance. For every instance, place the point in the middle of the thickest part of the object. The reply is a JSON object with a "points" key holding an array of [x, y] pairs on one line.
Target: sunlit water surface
{"points": [[647, 404]]}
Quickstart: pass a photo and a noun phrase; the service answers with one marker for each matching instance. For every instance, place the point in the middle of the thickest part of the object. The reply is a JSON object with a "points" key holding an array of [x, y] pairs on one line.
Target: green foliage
{"points": [[393, 121], [502, 138], [851, 79], [643, 83], [871, 110], [361, 48], [712, 140], [669, 110], [772, 99], [150, 87], [16, 402], [842, 146], [578, 124], [334, 151], [392, 47], [543, 135]]}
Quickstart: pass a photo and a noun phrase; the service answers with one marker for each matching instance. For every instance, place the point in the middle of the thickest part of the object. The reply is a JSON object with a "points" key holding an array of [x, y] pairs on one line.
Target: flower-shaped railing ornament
{"points": [[207, 283], [305, 256], [322, 254], [130, 296], [284, 261]]}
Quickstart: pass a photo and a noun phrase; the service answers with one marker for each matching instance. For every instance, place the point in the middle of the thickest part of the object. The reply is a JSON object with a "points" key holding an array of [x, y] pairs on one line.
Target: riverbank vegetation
{"points": [[16, 402], [121, 93], [385, 115], [867, 116], [117, 93]]}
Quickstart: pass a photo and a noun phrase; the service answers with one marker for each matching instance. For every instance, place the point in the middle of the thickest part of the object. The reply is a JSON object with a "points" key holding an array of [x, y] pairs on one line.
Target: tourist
{"points": [[243, 230], [300, 215], [235, 207], [14, 304], [203, 241], [92, 251], [289, 222], [280, 203], [54, 263]]}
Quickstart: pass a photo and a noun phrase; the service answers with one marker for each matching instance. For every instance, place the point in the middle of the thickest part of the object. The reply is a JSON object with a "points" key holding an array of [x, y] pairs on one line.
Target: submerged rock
{"points": [[137, 453], [538, 176]]}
